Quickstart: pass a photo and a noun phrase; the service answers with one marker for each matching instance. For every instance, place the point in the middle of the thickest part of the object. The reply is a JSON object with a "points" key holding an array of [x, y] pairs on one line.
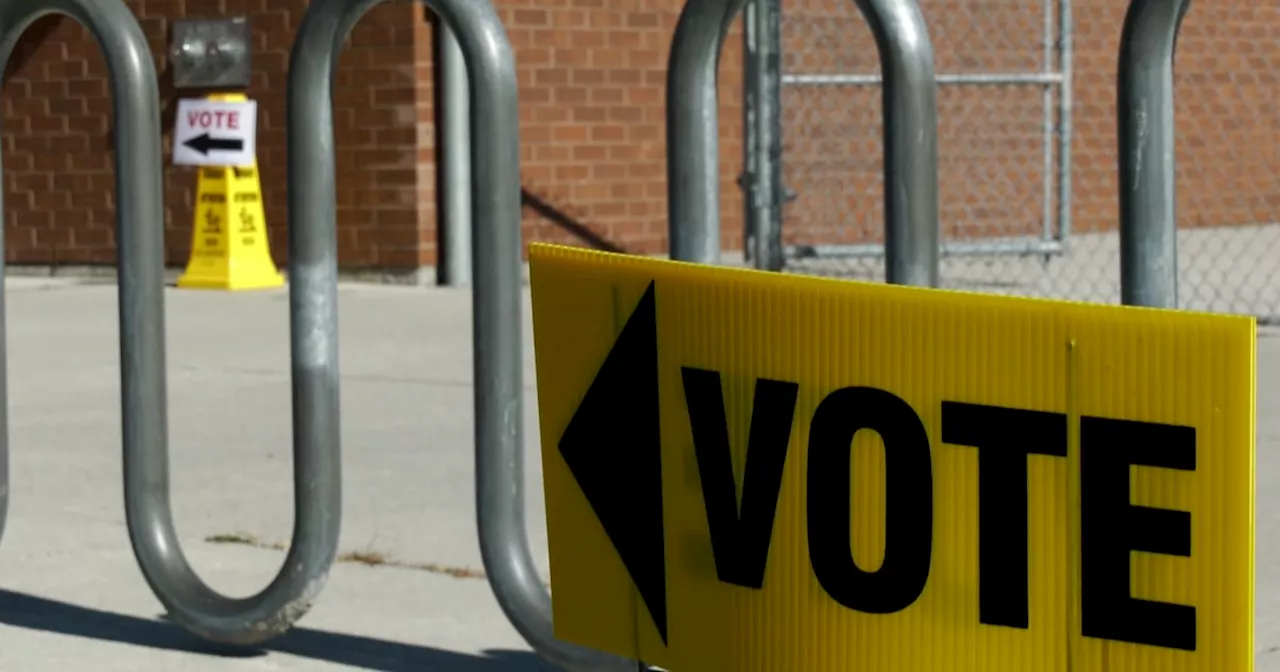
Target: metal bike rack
{"points": [[496, 263], [1148, 217], [1148, 262], [137, 117], [455, 172], [140, 259], [912, 230], [693, 129]]}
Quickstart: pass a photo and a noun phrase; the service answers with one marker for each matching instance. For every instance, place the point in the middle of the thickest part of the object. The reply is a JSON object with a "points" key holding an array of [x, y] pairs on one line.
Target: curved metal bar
{"points": [[455, 170], [1148, 217], [910, 135], [137, 126], [693, 129], [912, 230], [139, 218], [496, 259]]}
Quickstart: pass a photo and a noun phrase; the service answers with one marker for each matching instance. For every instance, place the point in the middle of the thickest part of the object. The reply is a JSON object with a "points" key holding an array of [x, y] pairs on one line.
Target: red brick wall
{"points": [[58, 178], [592, 78], [593, 87]]}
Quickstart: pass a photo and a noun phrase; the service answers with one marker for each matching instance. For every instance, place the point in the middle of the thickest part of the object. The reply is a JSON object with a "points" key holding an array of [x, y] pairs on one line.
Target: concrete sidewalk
{"points": [[72, 590], [72, 598]]}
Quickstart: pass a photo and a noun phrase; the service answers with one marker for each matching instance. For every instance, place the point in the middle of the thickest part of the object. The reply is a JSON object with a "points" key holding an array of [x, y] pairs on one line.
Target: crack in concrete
{"points": [[367, 558]]}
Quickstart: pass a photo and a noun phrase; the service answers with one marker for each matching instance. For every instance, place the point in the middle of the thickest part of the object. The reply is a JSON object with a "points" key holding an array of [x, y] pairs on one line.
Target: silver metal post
{"points": [[1066, 53], [693, 130], [769, 119], [496, 262], [1148, 222], [1046, 93], [912, 231], [762, 82], [750, 94], [455, 162]]}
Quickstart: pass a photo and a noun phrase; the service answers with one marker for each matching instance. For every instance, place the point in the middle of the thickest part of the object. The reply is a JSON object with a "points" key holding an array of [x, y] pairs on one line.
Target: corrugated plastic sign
{"points": [[749, 471]]}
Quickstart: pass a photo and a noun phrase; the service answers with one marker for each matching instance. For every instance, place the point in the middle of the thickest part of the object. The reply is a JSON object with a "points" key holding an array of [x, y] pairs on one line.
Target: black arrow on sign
{"points": [[613, 448], [204, 143]]}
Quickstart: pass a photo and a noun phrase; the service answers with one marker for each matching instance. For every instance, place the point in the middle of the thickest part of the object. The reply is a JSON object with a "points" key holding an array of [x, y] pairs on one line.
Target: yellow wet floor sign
{"points": [[229, 245], [1041, 486]]}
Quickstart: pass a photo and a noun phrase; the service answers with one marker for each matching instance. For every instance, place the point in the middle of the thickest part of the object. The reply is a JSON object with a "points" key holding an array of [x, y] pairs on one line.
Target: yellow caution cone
{"points": [[229, 247]]}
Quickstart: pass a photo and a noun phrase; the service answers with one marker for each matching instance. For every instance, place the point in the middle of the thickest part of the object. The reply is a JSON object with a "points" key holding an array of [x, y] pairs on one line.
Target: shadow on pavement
{"points": [[38, 613]]}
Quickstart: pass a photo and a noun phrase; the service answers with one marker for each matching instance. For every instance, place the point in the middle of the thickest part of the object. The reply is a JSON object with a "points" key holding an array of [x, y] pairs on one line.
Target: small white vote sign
{"points": [[215, 133]]}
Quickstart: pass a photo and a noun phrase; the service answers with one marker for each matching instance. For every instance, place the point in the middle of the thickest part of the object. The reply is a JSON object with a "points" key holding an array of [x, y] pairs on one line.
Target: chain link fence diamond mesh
{"points": [[1026, 148]]}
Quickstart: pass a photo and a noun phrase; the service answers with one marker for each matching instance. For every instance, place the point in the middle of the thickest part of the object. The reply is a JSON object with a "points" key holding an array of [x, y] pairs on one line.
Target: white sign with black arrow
{"points": [[215, 133]]}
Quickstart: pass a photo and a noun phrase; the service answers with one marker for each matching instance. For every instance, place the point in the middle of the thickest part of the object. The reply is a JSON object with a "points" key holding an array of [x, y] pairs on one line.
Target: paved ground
{"points": [[71, 595], [71, 590]]}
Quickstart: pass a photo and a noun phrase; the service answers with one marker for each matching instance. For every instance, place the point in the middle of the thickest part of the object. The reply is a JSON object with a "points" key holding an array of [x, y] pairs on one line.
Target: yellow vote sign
{"points": [[229, 245], [754, 471]]}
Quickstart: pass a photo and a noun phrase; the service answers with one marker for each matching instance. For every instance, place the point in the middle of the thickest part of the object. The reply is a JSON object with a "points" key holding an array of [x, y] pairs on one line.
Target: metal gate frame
{"points": [[910, 137], [762, 180]]}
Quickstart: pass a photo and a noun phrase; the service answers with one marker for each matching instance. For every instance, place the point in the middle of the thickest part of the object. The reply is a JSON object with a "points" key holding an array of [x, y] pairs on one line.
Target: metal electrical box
{"points": [[209, 54]]}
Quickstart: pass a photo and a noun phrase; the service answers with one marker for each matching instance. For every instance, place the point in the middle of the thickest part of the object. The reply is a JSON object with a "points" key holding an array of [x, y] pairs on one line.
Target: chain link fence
{"points": [[1027, 148]]}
